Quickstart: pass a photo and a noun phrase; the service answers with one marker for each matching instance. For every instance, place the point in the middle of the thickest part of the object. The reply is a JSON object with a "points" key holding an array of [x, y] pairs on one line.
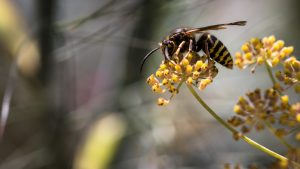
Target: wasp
{"points": [[184, 39]]}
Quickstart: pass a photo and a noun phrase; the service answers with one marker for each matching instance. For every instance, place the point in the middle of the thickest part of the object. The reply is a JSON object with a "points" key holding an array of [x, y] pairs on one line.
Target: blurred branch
{"points": [[9, 89], [96, 14]]}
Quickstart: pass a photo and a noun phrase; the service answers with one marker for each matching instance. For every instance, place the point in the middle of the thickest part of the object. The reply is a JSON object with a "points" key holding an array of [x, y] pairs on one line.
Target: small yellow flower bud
{"points": [[283, 163], [248, 56], [204, 83], [278, 45], [275, 61], [196, 75], [189, 56], [175, 78], [279, 76], [271, 39], [151, 80], [167, 72], [189, 80], [184, 62], [165, 82], [298, 117], [188, 69], [159, 74], [265, 40], [157, 89], [260, 60], [198, 65], [285, 99], [178, 68], [162, 66], [245, 48], [239, 64], [287, 50], [254, 41], [173, 90], [237, 109], [268, 53], [238, 55], [162, 101], [204, 66]]}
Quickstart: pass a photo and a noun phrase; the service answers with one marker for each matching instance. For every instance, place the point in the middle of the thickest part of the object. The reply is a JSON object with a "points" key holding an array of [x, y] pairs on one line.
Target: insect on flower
{"points": [[184, 39]]}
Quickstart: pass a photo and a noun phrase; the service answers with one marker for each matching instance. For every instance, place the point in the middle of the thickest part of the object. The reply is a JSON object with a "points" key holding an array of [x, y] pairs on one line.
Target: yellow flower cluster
{"points": [[291, 73], [258, 111], [190, 68], [257, 51]]}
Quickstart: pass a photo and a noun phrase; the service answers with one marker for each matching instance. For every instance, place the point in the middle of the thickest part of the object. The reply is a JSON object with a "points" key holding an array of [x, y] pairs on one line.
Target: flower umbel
{"points": [[291, 73], [259, 111], [257, 51], [190, 68]]}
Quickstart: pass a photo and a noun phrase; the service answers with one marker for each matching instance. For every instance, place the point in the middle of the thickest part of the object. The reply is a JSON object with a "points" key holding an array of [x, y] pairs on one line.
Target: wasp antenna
{"points": [[146, 57]]}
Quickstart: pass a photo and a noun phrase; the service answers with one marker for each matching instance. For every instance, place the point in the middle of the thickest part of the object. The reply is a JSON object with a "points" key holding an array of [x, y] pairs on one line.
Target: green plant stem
{"points": [[270, 73], [282, 140], [231, 129]]}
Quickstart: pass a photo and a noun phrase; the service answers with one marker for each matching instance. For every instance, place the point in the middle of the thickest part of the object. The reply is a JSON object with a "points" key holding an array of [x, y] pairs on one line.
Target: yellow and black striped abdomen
{"points": [[219, 52]]}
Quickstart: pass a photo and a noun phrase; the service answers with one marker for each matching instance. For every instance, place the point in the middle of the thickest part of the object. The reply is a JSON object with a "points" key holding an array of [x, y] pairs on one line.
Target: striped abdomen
{"points": [[218, 51]]}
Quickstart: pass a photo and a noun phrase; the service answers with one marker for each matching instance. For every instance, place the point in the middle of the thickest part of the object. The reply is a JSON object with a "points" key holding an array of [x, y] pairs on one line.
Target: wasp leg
{"points": [[179, 48], [202, 44], [176, 58], [168, 57]]}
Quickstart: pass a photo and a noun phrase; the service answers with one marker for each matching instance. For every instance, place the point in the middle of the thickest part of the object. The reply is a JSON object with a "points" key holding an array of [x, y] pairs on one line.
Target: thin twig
{"points": [[9, 89]]}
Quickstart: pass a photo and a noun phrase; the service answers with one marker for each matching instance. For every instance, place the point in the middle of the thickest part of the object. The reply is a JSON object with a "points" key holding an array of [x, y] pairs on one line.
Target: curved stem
{"points": [[270, 73], [231, 129]]}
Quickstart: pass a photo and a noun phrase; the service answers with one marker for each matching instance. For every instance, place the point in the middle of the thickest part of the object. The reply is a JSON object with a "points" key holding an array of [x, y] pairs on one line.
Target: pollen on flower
{"points": [[275, 61], [237, 109], [198, 65], [185, 62], [152, 80], [189, 68], [257, 51], [159, 74], [245, 48], [189, 80], [162, 66], [175, 78], [178, 68], [204, 83], [162, 102], [166, 72], [157, 89]]}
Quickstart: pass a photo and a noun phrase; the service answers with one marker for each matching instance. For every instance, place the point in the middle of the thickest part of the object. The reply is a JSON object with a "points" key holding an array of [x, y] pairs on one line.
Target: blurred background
{"points": [[73, 97]]}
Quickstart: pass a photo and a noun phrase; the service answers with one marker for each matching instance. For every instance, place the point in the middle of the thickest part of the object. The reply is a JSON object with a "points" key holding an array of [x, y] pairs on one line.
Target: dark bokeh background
{"points": [[90, 56]]}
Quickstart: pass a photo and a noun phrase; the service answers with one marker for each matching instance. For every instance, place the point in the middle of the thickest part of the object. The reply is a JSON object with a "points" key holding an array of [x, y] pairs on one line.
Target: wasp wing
{"points": [[216, 27]]}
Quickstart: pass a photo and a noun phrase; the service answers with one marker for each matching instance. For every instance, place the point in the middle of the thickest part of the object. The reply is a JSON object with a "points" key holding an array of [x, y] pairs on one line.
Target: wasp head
{"points": [[168, 48]]}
